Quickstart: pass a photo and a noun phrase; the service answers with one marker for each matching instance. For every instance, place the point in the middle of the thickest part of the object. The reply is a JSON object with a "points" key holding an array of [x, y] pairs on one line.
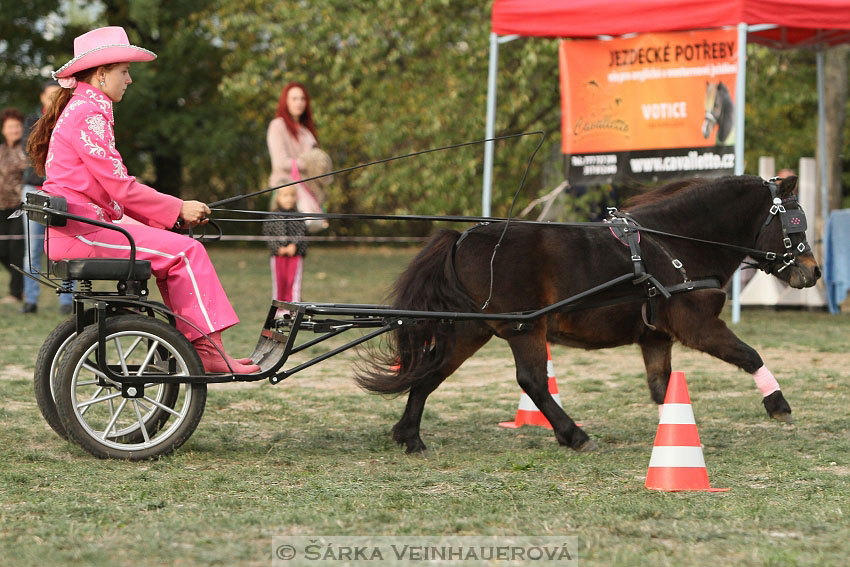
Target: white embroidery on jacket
{"points": [[99, 212], [68, 108], [93, 148], [104, 103], [97, 124], [118, 169]]}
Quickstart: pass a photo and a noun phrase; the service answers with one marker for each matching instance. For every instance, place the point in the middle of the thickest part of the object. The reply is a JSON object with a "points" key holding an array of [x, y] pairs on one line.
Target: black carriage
{"points": [[120, 380]]}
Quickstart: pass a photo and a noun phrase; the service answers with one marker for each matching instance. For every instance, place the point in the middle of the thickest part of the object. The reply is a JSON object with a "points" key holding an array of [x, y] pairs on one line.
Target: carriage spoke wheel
{"points": [[100, 419], [44, 381]]}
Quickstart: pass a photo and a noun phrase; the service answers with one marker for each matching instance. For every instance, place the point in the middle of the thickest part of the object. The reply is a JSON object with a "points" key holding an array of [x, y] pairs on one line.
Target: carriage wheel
{"points": [[95, 414], [44, 382], [45, 368]]}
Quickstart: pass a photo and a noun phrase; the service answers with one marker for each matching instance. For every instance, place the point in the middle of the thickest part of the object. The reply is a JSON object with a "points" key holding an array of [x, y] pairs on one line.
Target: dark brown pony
{"points": [[538, 265]]}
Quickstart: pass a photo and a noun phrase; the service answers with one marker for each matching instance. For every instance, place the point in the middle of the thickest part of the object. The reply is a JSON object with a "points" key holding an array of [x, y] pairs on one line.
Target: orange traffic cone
{"points": [[528, 414], [677, 463]]}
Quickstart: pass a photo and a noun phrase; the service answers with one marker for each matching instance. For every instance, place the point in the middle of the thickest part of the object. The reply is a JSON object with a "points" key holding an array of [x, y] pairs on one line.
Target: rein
{"points": [[620, 224], [753, 252]]}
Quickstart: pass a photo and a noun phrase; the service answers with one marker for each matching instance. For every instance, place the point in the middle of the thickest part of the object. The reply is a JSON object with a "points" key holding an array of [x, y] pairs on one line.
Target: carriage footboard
{"points": [[279, 337]]}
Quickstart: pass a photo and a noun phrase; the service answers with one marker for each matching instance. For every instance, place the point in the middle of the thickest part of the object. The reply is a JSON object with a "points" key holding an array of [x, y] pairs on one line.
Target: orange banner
{"points": [[649, 92]]}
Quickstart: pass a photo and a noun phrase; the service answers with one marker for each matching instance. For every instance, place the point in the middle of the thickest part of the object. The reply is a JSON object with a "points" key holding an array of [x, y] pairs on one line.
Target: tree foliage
{"points": [[782, 106], [385, 79], [393, 79], [31, 35], [175, 127]]}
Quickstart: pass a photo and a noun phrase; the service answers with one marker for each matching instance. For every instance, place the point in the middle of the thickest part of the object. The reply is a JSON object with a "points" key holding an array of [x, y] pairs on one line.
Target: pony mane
{"points": [[649, 195]]}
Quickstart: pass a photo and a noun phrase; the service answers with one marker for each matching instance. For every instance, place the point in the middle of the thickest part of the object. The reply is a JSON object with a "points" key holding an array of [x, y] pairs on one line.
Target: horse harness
{"points": [[627, 230], [792, 221]]}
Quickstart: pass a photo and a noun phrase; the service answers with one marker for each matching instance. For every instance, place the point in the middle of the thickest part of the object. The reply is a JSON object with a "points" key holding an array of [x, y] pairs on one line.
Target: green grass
{"points": [[313, 454]]}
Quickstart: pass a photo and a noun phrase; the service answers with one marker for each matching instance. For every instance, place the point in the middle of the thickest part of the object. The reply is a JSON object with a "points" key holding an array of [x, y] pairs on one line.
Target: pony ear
{"points": [[787, 186]]}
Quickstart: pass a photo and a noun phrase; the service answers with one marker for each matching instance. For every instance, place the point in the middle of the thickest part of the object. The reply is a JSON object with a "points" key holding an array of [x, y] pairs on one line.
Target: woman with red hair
{"points": [[291, 135]]}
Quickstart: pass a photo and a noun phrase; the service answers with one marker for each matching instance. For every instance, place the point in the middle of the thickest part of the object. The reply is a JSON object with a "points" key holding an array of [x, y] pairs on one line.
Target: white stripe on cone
{"points": [[526, 404], [676, 456], [677, 414]]}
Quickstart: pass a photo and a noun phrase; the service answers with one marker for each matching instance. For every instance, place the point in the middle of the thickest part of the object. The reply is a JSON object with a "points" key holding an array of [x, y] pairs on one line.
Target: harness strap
{"points": [[690, 285], [649, 309], [675, 262]]}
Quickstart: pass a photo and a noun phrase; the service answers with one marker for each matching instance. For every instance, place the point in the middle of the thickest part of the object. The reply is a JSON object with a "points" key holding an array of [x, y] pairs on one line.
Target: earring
{"points": [[102, 83]]}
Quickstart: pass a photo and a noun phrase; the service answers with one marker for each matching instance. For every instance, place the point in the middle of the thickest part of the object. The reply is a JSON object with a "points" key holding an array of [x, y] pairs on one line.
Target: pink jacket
{"points": [[84, 167]]}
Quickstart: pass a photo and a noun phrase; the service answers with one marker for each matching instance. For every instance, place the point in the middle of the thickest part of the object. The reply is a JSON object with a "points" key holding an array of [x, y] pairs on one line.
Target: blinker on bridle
{"points": [[793, 221]]}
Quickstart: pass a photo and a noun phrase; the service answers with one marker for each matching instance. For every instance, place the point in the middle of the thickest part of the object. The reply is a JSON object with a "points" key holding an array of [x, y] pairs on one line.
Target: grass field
{"points": [[313, 455]]}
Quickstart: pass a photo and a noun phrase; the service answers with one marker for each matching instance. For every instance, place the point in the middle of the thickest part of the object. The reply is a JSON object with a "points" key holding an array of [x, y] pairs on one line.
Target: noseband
{"points": [[793, 221]]}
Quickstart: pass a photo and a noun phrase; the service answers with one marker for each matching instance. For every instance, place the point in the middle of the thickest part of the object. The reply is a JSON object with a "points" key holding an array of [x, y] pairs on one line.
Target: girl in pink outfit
{"points": [[74, 144]]}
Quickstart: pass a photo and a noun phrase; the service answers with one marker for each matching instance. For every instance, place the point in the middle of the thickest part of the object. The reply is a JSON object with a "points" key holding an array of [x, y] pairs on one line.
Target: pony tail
{"points": [[415, 353], [39, 138]]}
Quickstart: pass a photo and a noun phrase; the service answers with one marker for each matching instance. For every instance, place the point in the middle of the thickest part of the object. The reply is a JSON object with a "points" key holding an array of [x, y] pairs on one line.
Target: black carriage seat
{"points": [[51, 210], [101, 269]]}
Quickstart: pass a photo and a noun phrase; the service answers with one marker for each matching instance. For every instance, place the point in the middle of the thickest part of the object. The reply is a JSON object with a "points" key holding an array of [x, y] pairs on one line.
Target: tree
{"points": [[389, 80], [782, 110], [29, 40], [836, 66], [175, 129]]}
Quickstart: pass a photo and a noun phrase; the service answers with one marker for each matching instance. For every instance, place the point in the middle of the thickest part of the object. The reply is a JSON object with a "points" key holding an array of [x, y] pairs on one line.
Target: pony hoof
{"points": [[587, 446], [783, 417], [416, 448]]}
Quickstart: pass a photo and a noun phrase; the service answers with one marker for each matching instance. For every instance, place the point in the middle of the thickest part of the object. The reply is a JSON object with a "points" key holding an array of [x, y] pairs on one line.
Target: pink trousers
{"points": [[286, 277], [184, 273]]}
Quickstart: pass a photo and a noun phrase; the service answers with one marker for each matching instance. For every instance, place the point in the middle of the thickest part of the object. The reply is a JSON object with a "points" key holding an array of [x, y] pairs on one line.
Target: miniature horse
{"points": [[718, 222]]}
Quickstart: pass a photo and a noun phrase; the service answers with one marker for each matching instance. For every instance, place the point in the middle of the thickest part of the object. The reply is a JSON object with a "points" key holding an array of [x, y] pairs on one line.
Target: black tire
{"points": [[44, 381], [150, 428], [45, 368]]}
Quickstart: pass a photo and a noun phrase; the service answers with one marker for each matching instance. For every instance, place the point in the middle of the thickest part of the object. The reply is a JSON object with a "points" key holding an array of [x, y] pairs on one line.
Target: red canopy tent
{"points": [[794, 22], [776, 23]]}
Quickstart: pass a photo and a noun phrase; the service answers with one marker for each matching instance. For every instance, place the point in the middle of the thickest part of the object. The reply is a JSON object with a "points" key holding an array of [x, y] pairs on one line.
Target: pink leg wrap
{"points": [[765, 381]]}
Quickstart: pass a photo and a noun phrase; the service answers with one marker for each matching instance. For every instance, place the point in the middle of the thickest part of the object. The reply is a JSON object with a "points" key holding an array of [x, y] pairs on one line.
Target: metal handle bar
{"points": [[86, 220]]}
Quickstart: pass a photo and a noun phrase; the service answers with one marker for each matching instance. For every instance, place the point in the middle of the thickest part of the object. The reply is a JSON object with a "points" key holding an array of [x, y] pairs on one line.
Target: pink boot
{"points": [[212, 360]]}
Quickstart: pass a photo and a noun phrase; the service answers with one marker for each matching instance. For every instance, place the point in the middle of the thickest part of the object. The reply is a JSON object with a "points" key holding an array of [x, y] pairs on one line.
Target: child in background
{"points": [[288, 247]]}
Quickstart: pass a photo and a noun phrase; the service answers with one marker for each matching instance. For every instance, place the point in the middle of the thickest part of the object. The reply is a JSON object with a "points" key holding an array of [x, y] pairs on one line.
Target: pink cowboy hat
{"points": [[102, 47]]}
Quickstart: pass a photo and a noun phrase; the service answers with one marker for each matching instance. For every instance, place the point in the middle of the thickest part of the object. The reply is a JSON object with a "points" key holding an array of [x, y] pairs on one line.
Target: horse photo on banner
{"points": [[649, 107]]}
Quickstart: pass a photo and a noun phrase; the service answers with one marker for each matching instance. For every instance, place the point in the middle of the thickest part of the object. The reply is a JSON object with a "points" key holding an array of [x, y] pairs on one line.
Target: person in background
{"points": [[290, 135], [73, 145], [13, 162], [34, 231], [287, 246]]}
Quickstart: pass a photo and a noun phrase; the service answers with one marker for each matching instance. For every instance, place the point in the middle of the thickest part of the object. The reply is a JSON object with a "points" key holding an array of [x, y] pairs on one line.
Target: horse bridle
{"points": [[793, 221]]}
